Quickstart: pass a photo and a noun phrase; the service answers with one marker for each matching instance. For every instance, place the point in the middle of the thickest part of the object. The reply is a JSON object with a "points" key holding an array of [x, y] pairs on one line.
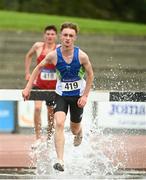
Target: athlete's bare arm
{"points": [[28, 58], [51, 58], [84, 60]]}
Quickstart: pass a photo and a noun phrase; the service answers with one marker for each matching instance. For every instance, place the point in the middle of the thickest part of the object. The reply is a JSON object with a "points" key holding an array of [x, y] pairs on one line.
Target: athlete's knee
{"points": [[59, 124], [75, 130], [59, 118], [37, 109]]}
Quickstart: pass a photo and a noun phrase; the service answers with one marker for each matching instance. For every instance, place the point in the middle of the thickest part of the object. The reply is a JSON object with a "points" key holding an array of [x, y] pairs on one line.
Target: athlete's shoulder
{"points": [[51, 54], [58, 45], [38, 45], [83, 57], [82, 53]]}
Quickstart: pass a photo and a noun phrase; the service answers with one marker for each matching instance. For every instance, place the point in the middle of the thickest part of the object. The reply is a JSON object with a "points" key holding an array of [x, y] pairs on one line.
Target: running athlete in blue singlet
{"points": [[70, 86], [71, 89], [70, 75]]}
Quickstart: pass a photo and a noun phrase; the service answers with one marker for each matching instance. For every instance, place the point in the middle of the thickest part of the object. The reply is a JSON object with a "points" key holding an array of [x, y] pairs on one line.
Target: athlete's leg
{"points": [[59, 134], [59, 117], [75, 124], [76, 128], [50, 121], [37, 118], [50, 103]]}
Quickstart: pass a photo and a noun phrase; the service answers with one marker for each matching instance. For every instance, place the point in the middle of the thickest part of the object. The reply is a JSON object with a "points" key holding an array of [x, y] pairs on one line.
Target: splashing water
{"points": [[40, 155], [118, 77], [96, 156]]}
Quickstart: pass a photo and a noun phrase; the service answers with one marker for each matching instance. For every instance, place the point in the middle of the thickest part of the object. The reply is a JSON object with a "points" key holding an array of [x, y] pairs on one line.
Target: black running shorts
{"points": [[64, 102], [51, 97]]}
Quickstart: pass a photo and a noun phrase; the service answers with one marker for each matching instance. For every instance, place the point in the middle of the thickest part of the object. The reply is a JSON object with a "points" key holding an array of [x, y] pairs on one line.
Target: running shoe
{"points": [[58, 166], [78, 139]]}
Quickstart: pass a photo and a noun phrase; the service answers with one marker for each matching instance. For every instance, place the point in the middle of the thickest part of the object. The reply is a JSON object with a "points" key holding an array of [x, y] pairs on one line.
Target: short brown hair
{"points": [[69, 25], [50, 27]]}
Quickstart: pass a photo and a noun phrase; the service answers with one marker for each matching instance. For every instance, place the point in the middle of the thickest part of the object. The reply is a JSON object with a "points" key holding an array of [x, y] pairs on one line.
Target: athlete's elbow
{"points": [[39, 67], [91, 76]]}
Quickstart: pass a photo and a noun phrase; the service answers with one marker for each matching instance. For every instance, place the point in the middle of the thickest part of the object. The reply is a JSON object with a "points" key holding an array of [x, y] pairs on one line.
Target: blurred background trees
{"points": [[119, 10]]}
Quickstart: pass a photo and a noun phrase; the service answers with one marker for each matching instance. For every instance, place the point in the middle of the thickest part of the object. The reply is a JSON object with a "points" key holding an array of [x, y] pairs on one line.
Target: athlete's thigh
{"points": [[59, 118], [61, 104], [38, 105], [51, 99], [76, 112]]}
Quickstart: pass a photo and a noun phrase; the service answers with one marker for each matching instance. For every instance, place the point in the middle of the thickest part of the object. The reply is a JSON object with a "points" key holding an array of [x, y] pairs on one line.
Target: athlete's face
{"points": [[68, 37], [50, 36]]}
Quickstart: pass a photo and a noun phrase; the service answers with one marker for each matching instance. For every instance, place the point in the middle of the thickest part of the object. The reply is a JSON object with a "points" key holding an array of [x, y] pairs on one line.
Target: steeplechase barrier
{"points": [[96, 95]]}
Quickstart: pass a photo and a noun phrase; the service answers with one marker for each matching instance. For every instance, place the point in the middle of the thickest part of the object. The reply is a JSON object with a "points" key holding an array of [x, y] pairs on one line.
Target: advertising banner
{"points": [[7, 116], [26, 114], [122, 115]]}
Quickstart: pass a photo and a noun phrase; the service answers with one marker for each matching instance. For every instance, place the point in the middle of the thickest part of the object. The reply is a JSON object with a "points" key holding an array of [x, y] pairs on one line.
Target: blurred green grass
{"points": [[36, 22]]}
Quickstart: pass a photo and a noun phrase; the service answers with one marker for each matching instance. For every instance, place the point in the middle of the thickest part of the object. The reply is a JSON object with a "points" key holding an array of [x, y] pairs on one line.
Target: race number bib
{"points": [[47, 74], [71, 86]]}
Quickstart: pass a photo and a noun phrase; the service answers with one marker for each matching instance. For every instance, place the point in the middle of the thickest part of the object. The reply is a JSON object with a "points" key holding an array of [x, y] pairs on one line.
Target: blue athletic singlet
{"points": [[70, 80]]}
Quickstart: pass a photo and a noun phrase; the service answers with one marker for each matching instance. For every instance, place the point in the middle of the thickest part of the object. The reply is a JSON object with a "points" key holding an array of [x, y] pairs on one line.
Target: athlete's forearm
{"points": [[89, 81], [33, 76], [27, 65]]}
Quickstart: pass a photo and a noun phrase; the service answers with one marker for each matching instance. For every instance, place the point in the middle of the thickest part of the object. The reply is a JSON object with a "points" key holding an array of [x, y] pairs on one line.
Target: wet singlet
{"points": [[47, 77], [70, 80]]}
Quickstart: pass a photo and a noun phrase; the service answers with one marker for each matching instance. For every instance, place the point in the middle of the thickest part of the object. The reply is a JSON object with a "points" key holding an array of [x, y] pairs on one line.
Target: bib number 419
{"points": [[71, 86]]}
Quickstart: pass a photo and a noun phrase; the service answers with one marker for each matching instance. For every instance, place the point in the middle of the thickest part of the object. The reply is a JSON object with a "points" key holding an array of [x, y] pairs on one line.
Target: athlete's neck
{"points": [[67, 53], [50, 46], [67, 49]]}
